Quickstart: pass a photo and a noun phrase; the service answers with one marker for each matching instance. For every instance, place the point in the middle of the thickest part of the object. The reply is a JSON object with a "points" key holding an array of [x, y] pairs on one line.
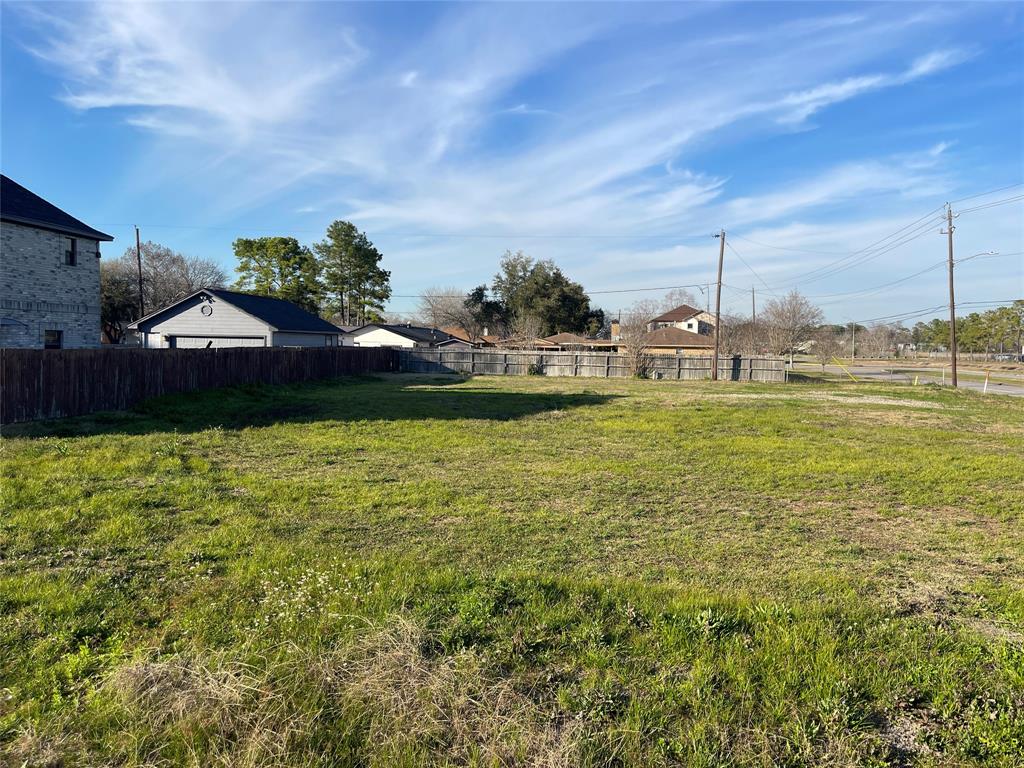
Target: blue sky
{"points": [[611, 138]]}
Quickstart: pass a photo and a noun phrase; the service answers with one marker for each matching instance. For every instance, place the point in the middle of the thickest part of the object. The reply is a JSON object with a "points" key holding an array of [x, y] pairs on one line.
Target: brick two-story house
{"points": [[49, 274]]}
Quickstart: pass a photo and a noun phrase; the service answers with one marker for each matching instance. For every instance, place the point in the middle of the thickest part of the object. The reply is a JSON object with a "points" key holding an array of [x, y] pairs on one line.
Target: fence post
{"points": [[472, 362], [504, 363], [576, 364]]}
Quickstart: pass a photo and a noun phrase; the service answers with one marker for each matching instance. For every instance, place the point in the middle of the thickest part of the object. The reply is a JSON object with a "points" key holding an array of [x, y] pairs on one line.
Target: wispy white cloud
{"points": [[418, 137], [178, 72], [525, 109], [797, 107]]}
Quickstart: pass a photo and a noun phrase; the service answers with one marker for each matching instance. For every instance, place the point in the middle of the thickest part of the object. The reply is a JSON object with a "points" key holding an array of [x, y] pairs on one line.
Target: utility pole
{"points": [[753, 307], [952, 301], [138, 261], [718, 303]]}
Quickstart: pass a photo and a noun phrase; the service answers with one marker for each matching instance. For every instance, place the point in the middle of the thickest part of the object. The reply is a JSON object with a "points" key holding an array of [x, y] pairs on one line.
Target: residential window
{"points": [[53, 339], [71, 251]]}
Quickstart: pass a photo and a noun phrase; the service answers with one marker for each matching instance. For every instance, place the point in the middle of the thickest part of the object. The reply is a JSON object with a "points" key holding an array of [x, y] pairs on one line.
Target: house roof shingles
{"points": [[678, 315], [279, 314], [458, 332], [22, 206], [567, 338], [414, 332], [677, 337]]}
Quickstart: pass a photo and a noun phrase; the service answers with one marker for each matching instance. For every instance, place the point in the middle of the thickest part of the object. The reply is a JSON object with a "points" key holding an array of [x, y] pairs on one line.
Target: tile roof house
{"points": [[49, 274], [217, 317]]}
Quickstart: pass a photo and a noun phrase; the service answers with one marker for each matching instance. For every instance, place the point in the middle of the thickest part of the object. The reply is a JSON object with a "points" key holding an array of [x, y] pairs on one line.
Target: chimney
{"points": [[615, 333], [485, 331]]}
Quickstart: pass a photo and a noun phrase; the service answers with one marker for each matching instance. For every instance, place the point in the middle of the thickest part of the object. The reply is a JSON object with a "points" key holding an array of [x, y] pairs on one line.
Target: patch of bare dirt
{"points": [[904, 736]]}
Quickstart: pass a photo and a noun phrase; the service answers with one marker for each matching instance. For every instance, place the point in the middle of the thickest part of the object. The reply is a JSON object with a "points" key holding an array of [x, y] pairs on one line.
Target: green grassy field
{"points": [[518, 571]]}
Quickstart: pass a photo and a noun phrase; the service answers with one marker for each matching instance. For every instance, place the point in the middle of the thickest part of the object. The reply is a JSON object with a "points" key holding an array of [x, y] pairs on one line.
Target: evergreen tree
{"points": [[355, 286], [278, 267]]}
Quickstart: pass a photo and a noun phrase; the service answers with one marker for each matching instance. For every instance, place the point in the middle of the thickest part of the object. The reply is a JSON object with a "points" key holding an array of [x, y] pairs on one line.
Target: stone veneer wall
{"points": [[43, 293]]}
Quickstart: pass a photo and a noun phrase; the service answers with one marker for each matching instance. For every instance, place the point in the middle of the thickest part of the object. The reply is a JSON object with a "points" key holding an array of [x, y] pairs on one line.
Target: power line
{"points": [[589, 293], [452, 235], [750, 268], [873, 289], [866, 255], [930, 310], [901, 236], [992, 204], [990, 192]]}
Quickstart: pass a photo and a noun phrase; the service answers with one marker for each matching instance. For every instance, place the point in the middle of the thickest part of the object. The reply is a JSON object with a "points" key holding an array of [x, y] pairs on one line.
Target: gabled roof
{"points": [[677, 315], [458, 332], [567, 338], [677, 337], [279, 314], [525, 341], [416, 333], [21, 206]]}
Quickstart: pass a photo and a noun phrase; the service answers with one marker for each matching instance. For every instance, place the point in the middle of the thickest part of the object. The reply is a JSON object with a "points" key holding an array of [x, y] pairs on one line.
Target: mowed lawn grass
{"points": [[408, 571]]}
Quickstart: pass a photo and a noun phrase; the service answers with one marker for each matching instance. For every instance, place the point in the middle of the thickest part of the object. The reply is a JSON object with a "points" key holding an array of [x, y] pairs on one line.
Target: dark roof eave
{"points": [[89, 233]]}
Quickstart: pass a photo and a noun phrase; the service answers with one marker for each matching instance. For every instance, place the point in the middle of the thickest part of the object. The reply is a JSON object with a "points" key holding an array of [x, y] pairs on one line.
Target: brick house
{"points": [[49, 274]]}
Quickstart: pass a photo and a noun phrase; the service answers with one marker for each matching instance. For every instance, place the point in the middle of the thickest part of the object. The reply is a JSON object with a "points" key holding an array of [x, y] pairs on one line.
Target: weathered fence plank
{"points": [[41, 384], [601, 365]]}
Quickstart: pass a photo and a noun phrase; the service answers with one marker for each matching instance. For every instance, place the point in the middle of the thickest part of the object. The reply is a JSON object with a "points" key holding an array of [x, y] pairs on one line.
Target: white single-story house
{"points": [[401, 336], [216, 317]]}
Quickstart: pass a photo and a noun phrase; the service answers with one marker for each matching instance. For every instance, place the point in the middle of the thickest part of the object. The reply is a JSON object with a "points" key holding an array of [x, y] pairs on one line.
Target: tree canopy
{"points": [[531, 293], [355, 287], [167, 276], [279, 267], [1001, 328]]}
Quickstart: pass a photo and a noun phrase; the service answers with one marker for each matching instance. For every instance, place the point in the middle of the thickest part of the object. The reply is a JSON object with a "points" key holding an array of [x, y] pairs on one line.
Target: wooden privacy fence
{"points": [[42, 384], [522, 362]]}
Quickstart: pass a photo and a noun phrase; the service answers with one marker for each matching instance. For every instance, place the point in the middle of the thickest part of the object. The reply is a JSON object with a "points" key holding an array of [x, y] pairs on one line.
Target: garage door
{"points": [[215, 342]]}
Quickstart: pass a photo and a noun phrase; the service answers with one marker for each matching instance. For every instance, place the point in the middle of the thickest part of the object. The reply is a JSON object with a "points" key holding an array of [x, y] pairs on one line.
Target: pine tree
{"points": [[355, 286]]}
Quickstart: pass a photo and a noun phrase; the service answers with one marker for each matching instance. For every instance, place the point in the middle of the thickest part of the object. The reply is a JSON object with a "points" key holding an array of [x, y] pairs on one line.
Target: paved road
{"points": [[906, 374]]}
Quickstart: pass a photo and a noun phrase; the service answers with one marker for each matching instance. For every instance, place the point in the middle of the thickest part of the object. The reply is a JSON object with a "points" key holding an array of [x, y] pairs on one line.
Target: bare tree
{"points": [[633, 336], [828, 344], [739, 335], [675, 298], [443, 306], [788, 322], [168, 275], [524, 330], [876, 341]]}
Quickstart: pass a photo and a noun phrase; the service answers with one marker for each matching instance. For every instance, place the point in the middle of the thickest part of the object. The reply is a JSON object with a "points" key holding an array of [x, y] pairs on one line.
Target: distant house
{"points": [[675, 341], [402, 336], [568, 339], [50, 277], [216, 317], [668, 340], [685, 318], [482, 340]]}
